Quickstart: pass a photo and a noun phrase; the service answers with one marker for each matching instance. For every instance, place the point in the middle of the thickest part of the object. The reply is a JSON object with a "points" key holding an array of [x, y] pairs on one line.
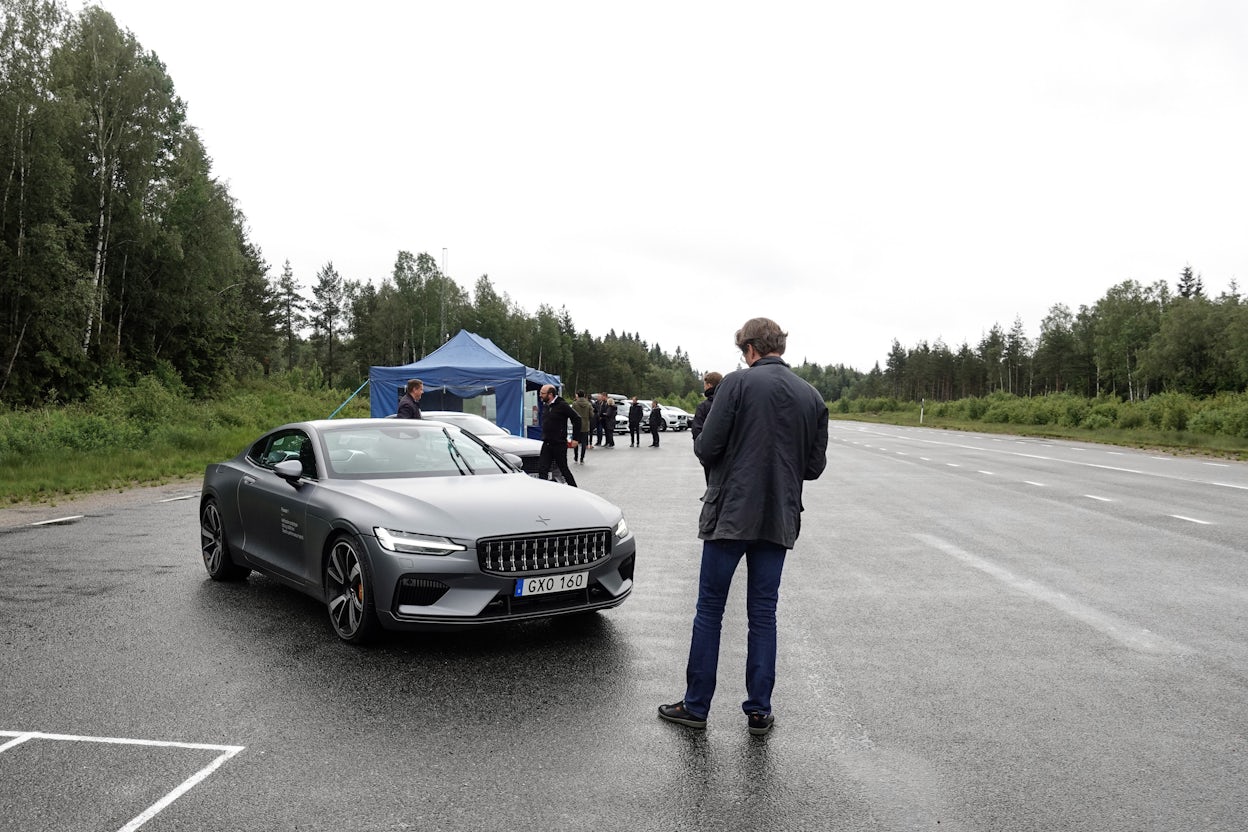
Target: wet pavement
{"points": [[968, 641]]}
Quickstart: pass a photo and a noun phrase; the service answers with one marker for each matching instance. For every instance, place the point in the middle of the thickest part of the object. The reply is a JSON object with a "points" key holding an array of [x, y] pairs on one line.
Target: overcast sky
{"points": [[857, 171]]}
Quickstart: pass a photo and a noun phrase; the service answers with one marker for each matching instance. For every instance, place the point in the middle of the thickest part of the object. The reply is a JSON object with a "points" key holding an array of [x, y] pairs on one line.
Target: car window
{"points": [[407, 451], [284, 445]]}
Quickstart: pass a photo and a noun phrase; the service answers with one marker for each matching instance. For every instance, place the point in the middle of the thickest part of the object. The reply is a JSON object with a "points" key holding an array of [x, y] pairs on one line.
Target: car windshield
{"points": [[408, 450]]}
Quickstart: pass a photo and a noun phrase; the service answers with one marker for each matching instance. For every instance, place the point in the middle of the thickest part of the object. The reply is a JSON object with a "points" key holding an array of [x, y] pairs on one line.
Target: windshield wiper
{"points": [[456, 456]]}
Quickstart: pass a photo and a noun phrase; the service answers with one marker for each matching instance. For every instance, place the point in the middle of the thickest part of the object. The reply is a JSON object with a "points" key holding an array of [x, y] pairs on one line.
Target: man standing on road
{"points": [[555, 435], [656, 420], [586, 411], [634, 424], [709, 382], [409, 405], [765, 435], [600, 419], [612, 410]]}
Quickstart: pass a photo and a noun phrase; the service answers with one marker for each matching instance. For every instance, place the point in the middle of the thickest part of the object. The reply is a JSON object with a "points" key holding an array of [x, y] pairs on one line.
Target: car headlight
{"points": [[410, 543], [621, 529]]}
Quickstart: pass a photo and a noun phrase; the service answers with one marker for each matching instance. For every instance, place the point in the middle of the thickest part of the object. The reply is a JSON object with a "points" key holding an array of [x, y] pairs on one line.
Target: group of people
{"points": [[588, 421]]}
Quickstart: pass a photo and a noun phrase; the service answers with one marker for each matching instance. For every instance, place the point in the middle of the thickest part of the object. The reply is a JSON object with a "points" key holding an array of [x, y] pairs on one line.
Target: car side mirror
{"points": [[515, 460], [290, 470]]}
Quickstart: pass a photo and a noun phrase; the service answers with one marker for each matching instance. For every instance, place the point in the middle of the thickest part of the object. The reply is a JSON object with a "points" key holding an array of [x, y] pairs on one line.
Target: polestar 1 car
{"points": [[408, 525]]}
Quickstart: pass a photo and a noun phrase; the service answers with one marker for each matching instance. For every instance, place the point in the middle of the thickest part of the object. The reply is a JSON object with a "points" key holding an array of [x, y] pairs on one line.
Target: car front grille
{"points": [[528, 554]]}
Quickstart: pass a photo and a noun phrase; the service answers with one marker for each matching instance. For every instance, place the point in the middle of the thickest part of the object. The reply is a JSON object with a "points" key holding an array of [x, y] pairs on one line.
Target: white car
{"points": [[676, 418]]}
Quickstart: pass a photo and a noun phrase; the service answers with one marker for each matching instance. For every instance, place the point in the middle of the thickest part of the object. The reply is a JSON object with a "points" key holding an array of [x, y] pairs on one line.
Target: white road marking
{"points": [[59, 520], [1125, 633], [1094, 497], [183, 497], [1191, 519], [1037, 484], [156, 808], [925, 459], [987, 473], [1045, 458]]}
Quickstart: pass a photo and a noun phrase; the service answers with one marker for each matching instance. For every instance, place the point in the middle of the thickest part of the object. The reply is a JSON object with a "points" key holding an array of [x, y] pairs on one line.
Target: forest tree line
{"points": [[1135, 341], [122, 255]]}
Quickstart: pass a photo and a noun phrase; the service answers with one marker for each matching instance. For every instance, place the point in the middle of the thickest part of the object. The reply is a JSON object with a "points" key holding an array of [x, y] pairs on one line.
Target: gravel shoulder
{"points": [[22, 514]]}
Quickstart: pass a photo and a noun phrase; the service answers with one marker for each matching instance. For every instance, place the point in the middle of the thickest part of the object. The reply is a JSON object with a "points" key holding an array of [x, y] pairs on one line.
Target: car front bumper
{"points": [[452, 591]]}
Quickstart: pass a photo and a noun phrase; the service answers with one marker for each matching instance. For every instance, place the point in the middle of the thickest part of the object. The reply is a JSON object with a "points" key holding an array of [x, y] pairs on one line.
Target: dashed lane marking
{"points": [[71, 518], [1124, 632]]}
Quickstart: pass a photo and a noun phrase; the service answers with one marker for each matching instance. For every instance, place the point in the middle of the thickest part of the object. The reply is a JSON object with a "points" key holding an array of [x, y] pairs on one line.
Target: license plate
{"points": [[550, 583]]}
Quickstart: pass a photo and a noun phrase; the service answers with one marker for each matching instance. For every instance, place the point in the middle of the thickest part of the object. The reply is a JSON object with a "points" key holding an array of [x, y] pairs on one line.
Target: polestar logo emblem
{"points": [[543, 520]]}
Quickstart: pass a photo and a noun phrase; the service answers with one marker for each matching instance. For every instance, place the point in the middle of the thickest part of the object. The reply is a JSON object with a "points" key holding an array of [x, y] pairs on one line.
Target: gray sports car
{"points": [[408, 525]]}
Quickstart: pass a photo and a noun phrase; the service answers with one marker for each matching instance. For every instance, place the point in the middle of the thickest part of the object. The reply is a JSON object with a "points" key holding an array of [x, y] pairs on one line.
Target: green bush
{"points": [[1132, 416], [1169, 411], [1097, 421], [1224, 415]]}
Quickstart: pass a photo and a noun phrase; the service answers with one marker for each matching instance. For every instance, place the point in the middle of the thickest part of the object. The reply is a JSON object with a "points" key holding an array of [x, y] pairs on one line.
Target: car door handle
{"points": [[249, 480]]}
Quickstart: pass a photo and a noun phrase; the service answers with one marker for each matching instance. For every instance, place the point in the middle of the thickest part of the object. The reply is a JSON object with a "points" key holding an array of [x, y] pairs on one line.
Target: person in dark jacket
{"points": [[409, 405], [709, 382], [635, 411], [765, 435], [656, 419], [608, 422], [600, 418], [555, 435]]}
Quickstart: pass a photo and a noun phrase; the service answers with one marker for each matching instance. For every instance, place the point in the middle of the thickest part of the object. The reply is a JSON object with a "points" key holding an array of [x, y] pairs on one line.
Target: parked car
{"points": [[529, 450], [410, 524], [676, 418]]}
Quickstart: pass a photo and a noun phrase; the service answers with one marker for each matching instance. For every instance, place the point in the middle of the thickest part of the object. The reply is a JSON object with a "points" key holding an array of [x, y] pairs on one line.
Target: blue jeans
{"points": [[764, 561]]}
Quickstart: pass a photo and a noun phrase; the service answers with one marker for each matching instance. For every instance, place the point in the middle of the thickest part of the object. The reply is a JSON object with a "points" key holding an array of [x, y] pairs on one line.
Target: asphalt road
{"points": [[976, 633]]}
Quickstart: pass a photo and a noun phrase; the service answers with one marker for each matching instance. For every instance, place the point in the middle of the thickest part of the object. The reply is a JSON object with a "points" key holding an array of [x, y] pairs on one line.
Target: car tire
{"points": [[215, 548], [349, 591]]}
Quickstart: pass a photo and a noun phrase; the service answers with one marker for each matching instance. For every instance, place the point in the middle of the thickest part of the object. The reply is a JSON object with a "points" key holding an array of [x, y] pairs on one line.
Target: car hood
{"points": [[482, 506], [519, 445]]}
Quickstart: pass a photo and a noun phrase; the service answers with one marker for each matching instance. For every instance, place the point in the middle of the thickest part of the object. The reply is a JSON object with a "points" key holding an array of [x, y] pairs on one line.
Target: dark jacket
{"points": [[656, 417], [409, 408], [699, 412], [555, 422], [766, 434], [634, 414]]}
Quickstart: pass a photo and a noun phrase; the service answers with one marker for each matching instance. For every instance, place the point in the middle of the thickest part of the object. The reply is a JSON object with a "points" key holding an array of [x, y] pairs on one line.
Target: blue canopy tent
{"points": [[466, 366]]}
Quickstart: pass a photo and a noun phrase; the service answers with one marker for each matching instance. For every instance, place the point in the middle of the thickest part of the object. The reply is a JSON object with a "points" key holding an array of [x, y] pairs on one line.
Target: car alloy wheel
{"points": [[215, 548], [348, 588]]}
